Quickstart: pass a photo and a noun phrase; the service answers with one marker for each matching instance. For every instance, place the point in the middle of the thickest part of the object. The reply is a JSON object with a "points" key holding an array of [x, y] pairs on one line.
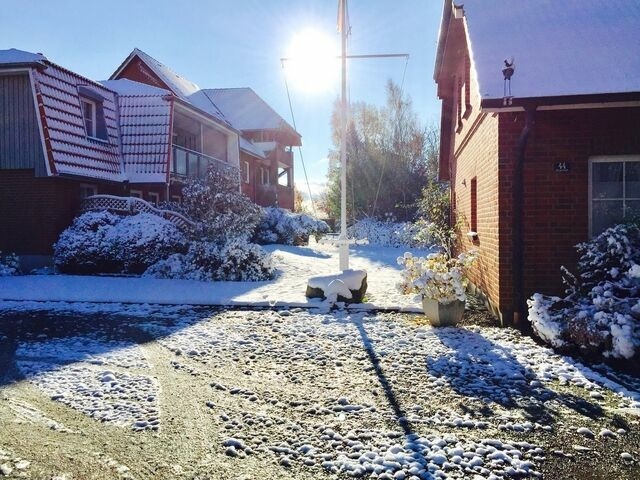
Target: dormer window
{"points": [[91, 105], [89, 114]]}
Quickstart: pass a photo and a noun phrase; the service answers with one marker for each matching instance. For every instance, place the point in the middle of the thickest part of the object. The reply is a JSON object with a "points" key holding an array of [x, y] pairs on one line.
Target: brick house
{"points": [[549, 158], [64, 137], [266, 139]]}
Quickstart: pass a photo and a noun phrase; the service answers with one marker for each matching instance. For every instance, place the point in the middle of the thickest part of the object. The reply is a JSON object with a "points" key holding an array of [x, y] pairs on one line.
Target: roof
{"points": [[125, 86], [145, 129], [251, 148], [572, 47], [246, 110], [69, 150], [20, 57], [184, 89]]}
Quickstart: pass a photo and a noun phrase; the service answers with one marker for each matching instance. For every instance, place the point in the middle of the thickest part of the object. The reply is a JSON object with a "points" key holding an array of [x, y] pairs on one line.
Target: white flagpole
{"points": [[343, 243]]}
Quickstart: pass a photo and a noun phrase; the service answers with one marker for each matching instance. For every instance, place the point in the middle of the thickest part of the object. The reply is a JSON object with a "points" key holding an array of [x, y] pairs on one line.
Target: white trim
{"points": [[39, 120], [155, 201], [94, 107], [246, 178], [606, 159]]}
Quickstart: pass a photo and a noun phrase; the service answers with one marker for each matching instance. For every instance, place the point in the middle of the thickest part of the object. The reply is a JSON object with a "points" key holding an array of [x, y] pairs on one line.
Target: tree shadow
{"points": [[476, 367]]}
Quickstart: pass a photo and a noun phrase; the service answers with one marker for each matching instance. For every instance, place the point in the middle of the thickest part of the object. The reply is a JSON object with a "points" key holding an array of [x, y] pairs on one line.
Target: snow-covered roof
{"points": [[125, 86], [145, 129], [70, 151], [246, 110], [14, 56], [251, 148], [570, 47]]}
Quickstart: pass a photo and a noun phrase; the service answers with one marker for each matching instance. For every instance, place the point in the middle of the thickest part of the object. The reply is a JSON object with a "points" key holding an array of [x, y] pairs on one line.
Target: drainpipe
{"points": [[519, 307]]}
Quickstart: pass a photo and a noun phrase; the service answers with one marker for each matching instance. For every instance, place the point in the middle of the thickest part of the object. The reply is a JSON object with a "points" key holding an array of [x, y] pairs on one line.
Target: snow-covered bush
{"points": [[386, 233], [206, 261], [83, 249], [221, 211], [101, 242], [280, 226], [9, 264], [436, 276], [601, 312]]}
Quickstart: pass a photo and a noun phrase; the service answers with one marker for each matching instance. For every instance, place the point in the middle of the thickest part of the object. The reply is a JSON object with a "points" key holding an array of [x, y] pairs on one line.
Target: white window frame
{"points": [[264, 176], [136, 194], [608, 159], [85, 187], [94, 107], [154, 198], [245, 173]]}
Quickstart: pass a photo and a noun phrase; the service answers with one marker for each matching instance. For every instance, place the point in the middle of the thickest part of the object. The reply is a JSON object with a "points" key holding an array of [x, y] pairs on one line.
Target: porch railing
{"points": [[133, 205], [189, 163]]}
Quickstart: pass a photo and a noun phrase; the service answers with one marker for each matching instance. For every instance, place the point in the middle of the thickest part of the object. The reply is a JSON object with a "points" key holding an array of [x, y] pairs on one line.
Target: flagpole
{"points": [[343, 243]]}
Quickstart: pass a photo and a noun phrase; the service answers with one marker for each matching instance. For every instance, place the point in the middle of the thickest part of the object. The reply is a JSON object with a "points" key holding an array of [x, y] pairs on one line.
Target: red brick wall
{"points": [[555, 204]]}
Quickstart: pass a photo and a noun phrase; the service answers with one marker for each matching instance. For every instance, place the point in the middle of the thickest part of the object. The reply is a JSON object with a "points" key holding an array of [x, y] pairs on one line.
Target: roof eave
{"points": [[562, 101], [447, 9]]}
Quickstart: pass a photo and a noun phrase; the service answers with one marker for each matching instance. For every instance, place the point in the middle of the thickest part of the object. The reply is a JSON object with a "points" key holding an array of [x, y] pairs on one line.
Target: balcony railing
{"points": [[189, 163]]}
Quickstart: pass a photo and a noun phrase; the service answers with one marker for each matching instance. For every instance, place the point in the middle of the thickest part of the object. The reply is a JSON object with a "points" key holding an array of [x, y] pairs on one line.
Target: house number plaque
{"points": [[562, 167]]}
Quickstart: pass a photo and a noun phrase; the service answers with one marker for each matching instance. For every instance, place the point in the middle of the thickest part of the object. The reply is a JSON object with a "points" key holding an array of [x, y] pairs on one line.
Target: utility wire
{"points": [[293, 120]]}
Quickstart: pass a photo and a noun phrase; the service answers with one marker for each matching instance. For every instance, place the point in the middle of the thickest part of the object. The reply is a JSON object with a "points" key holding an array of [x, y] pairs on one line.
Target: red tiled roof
{"points": [[70, 151], [145, 129]]}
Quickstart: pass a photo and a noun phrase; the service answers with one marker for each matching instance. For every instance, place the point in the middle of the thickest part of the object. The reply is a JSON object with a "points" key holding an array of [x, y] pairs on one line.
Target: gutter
{"points": [[517, 237]]}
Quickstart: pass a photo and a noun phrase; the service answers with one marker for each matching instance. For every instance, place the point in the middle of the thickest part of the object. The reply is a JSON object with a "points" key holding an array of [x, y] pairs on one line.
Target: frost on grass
{"points": [[601, 312], [95, 376]]}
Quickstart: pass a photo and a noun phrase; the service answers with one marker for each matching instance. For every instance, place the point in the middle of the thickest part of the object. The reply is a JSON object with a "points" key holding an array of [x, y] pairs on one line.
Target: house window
{"points": [[264, 176], [474, 204], [245, 171], [89, 115], [135, 193], [284, 177], [614, 191], [87, 190], [154, 198]]}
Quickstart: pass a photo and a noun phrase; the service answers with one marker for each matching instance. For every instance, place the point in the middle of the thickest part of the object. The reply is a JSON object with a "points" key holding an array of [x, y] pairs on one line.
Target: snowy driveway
{"points": [[167, 392]]}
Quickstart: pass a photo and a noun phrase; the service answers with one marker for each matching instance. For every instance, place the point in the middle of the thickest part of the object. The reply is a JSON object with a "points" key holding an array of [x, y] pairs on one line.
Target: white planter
{"points": [[443, 314]]}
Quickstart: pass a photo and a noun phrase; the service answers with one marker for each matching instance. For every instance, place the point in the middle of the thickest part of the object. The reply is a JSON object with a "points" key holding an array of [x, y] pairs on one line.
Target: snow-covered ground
{"points": [[294, 264], [353, 393]]}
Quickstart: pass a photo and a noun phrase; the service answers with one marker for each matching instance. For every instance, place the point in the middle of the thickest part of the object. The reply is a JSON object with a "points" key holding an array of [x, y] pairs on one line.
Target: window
{"points": [[89, 115], [264, 176], [245, 171], [474, 204], [87, 190], [614, 191], [135, 193], [154, 198], [284, 176], [176, 198]]}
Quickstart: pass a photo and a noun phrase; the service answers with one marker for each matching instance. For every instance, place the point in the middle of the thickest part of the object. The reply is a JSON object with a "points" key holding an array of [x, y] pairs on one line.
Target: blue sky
{"points": [[238, 43]]}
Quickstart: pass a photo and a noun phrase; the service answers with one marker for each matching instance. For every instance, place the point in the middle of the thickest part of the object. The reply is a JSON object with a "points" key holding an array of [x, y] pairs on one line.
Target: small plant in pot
{"points": [[439, 281]]}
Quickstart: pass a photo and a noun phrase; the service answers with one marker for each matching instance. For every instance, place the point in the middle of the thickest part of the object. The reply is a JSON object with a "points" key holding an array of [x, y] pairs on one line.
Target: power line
{"points": [[293, 120]]}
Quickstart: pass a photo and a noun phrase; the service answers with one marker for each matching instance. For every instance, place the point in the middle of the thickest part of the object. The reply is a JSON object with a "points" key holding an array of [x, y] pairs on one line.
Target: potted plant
{"points": [[439, 281]]}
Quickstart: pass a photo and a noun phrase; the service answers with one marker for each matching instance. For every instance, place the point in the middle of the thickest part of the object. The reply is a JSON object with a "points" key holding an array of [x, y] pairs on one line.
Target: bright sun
{"points": [[311, 63]]}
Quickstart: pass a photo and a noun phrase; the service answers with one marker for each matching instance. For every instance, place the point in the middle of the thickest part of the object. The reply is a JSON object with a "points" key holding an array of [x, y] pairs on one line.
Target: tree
{"points": [[390, 155]]}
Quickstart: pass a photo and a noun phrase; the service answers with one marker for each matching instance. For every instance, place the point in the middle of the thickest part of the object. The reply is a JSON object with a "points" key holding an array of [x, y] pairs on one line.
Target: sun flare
{"points": [[311, 63]]}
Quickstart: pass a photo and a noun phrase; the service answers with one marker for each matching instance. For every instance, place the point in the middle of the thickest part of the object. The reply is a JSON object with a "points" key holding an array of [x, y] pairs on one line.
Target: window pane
{"points": [[605, 213], [193, 164], [204, 166], [181, 162], [632, 211], [607, 180], [632, 179]]}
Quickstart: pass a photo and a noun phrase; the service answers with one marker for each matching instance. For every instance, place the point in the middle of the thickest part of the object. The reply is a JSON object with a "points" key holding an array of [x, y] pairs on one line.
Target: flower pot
{"points": [[443, 314]]}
